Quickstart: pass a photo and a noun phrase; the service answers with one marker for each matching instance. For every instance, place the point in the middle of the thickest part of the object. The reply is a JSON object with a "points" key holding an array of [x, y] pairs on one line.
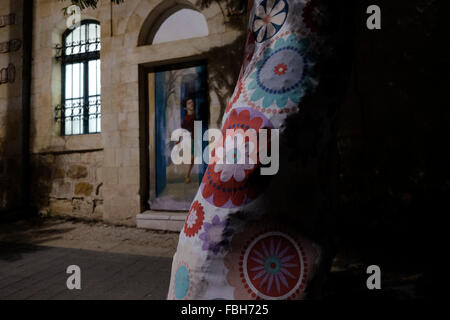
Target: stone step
{"points": [[159, 220]]}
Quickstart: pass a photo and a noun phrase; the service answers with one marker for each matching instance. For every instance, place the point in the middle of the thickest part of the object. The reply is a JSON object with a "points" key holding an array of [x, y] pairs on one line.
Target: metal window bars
{"points": [[77, 117], [78, 49], [80, 108]]}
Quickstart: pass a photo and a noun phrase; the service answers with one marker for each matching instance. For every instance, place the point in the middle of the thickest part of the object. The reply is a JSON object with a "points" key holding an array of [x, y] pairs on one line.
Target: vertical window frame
{"points": [[83, 58]]}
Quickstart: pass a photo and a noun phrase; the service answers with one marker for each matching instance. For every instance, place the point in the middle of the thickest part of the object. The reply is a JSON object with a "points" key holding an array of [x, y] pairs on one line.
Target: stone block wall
{"points": [[11, 111], [69, 184], [120, 142]]}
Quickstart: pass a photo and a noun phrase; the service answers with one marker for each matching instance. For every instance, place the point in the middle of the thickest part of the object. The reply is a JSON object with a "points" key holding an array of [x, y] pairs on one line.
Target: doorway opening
{"points": [[170, 88]]}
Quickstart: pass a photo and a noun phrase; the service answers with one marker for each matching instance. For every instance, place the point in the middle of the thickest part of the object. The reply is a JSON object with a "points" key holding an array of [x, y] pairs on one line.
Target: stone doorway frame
{"points": [[145, 117]]}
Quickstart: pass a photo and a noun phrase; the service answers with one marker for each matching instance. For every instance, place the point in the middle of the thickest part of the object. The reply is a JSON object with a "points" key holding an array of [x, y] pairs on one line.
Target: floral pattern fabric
{"points": [[269, 263], [216, 235], [228, 248], [225, 183], [281, 76], [269, 18], [194, 220]]}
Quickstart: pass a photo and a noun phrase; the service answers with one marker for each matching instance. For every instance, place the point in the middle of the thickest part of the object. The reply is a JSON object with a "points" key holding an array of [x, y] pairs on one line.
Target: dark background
{"points": [[393, 136], [393, 142]]}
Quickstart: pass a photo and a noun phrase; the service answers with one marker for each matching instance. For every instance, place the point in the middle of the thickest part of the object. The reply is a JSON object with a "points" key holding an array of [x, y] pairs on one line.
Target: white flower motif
{"points": [[268, 19], [192, 218], [234, 159]]}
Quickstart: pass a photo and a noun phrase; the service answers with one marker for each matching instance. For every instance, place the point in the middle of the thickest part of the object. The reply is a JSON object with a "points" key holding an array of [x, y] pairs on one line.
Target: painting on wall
{"points": [[178, 97]]}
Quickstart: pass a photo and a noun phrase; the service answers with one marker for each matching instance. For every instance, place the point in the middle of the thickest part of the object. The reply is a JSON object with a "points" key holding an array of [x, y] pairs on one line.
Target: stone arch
{"points": [[158, 15]]}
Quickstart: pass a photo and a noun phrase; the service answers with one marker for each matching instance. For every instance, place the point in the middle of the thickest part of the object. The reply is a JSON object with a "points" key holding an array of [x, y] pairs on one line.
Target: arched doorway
{"points": [[169, 85]]}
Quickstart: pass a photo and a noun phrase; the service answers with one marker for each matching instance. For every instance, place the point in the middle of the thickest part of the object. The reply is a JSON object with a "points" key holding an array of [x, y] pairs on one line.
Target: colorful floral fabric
{"points": [[194, 220], [216, 235], [187, 270], [269, 18], [228, 248], [269, 262], [225, 183], [282, 75]]}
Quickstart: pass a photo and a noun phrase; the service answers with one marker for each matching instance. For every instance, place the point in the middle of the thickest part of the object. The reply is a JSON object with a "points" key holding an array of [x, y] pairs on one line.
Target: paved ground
{"points": [[39, 272], [96, 236], [117, 262], [120, 262]]}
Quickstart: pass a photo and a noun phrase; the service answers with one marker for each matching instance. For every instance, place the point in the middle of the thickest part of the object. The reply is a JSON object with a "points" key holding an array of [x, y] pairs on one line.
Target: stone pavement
{"points": [[39, 272], [119, 262]]}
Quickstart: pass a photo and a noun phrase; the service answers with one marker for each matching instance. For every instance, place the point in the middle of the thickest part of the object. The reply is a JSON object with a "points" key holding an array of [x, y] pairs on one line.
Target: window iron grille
{"points": [[75, 116], [76, 50], [80, 108]]}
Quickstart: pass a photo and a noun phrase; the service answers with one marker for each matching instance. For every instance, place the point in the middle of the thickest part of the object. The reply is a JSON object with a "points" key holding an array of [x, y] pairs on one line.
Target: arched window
{"points": [[163, 24], [80, 96], [193, 25]]}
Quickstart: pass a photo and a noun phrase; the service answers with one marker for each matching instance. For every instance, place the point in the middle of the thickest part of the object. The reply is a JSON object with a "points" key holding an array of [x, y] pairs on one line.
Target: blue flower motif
{"points": [[282, 74]]}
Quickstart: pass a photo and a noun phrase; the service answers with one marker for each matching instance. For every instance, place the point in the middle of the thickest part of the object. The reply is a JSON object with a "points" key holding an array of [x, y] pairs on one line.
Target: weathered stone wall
{"points": [[11, 112], [119, 141], [69, 184]]}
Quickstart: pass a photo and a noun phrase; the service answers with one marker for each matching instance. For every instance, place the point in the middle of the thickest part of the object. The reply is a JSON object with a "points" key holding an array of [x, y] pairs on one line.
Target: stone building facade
{"points": [[105, 175], [10, 104]]}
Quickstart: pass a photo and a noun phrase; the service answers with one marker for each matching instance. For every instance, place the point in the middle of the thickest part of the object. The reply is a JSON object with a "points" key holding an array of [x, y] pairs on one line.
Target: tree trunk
{"points": [[255, 236]]}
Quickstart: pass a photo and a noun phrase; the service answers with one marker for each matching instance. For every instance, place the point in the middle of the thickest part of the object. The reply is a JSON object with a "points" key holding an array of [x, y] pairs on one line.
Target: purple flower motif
{"points": [[215, 235]]}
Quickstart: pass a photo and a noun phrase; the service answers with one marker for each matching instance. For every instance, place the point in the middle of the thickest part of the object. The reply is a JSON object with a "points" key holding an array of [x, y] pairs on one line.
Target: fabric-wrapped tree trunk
{"points": [[250, 235]]}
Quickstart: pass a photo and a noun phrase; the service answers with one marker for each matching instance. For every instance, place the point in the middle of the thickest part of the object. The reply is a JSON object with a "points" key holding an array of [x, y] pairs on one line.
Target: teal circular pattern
{"points": [[276, 67], [283, 74], [182, 282], [272, 265]]}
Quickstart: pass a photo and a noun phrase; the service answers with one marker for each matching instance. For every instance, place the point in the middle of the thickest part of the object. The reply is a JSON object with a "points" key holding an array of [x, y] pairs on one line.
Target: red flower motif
{"points": [[280, 69], [226, 183], [194, 220], [270, 261], [273, 266]]}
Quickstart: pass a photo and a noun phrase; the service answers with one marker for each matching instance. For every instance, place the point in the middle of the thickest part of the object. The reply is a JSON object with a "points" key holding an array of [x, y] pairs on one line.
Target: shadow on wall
{"points": [[224, 63], [68, 184], [11, 116], [224, 70]]}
